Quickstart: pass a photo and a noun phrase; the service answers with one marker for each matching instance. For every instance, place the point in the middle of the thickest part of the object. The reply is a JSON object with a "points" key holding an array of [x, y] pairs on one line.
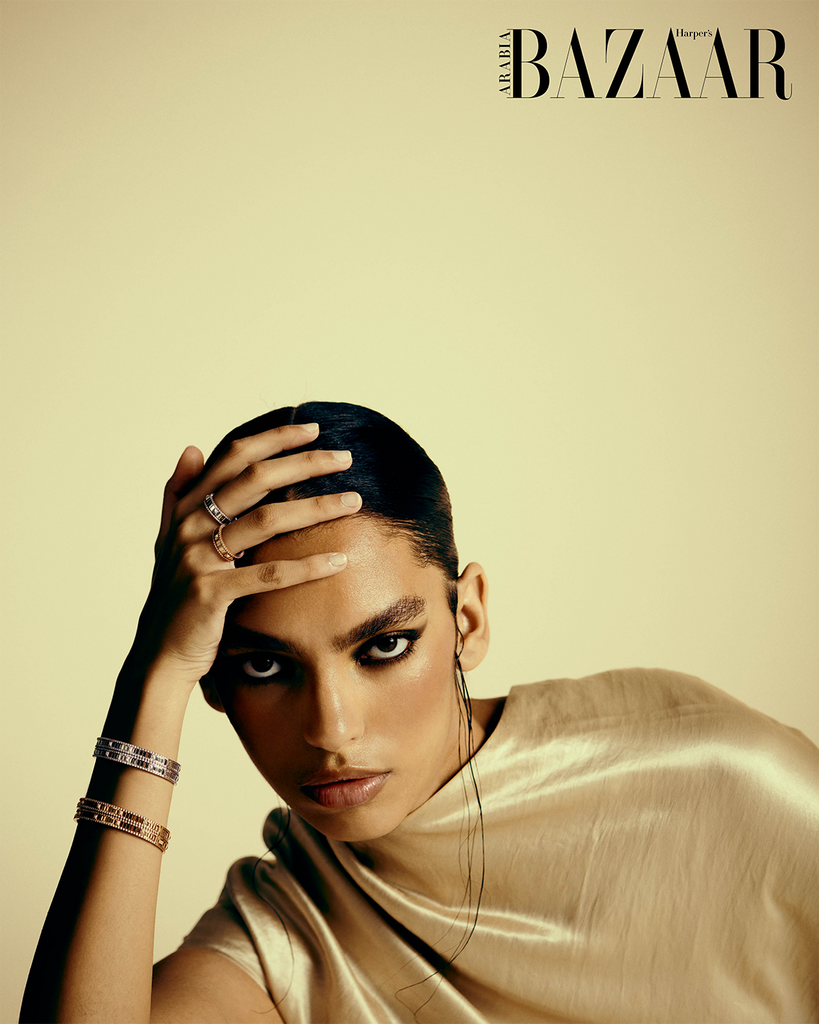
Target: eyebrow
{"points": [[393, 617]]}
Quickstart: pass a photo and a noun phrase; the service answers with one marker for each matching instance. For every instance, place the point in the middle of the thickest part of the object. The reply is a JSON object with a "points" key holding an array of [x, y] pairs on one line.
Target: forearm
{"points": [[94, 958], [93, 962]]}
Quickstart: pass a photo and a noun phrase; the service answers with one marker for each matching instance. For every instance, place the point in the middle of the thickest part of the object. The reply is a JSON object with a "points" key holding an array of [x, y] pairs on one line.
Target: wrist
{"points": [[148, 710]]}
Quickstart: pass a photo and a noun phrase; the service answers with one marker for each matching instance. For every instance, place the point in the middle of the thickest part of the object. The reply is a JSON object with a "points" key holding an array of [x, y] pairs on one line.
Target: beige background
{"points": [[598, 316]]}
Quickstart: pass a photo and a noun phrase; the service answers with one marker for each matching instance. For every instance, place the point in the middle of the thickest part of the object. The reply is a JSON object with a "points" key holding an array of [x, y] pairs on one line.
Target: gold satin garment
{"points": [[650, 848]]}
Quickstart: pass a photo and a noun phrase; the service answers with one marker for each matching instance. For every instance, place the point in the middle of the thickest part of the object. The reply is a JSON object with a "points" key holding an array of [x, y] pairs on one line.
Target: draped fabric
{"points": [[648, 855]]}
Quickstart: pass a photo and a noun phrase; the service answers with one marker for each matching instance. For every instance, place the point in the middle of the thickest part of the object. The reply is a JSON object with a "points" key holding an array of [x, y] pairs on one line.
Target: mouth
{"points": [[346, 788]]}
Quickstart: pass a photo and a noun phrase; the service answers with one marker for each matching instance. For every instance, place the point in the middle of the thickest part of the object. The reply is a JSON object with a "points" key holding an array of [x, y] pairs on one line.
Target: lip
{"points": [[349, 788]]}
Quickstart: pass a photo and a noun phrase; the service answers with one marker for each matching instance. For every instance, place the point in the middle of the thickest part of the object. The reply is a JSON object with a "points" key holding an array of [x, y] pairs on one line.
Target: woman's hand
{"points": [[183, 619]]}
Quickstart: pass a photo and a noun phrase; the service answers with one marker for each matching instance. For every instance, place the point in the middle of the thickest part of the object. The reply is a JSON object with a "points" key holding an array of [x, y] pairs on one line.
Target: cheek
{"points": [[424, 698], [256, 717]]}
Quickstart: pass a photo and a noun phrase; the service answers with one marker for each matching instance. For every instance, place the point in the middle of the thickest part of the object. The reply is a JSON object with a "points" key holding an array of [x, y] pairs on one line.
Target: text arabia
{"points": [[514, 44]]}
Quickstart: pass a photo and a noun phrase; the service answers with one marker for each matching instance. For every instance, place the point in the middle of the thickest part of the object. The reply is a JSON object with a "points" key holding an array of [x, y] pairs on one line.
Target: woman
{"points": [[633, 846]]}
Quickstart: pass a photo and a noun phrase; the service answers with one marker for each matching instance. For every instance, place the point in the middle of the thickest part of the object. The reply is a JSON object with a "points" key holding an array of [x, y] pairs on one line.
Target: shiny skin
{"points": [[335, 710]]}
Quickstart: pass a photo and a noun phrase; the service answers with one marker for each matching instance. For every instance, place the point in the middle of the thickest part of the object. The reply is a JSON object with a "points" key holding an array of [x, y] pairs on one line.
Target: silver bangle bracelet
{"points": [[138, 757]]}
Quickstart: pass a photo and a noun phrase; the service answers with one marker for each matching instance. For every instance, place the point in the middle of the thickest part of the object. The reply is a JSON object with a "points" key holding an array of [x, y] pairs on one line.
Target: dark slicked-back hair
{"points": [[398, 482]]}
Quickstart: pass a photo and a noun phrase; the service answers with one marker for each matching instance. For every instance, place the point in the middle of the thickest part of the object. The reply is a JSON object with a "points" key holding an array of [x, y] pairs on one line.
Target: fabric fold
{"points": [[647, 848]]}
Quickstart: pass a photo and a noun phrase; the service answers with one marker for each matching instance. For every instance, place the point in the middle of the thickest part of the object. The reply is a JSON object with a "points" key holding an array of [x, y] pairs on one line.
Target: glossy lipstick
{"points": [[340, 791]]}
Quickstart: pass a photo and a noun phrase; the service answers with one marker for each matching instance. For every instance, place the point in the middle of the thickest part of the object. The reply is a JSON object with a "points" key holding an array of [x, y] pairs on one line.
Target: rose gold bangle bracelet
{"points": [[101, 813]]}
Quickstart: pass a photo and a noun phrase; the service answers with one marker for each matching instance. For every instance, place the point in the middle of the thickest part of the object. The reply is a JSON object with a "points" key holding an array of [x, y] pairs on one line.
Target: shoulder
{"points": [[629, 709], [626, 693], [203, 986], [669, 749], [621, 693]]}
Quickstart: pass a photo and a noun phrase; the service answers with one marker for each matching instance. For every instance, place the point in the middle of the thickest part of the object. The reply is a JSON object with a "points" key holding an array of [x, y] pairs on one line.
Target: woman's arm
{"points": [[200, 986], [94, 958], [93, 961]]}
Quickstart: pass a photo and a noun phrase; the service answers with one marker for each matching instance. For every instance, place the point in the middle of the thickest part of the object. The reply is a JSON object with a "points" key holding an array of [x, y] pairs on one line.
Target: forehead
{"points": [[382, 567]]}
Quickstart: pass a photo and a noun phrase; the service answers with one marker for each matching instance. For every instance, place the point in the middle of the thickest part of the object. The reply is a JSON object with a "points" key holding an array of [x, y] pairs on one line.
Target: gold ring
{"points": [[222, 549]]}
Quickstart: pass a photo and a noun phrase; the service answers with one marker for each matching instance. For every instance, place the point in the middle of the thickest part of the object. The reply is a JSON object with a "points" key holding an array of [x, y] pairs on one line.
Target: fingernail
{"points": [[337, 558], [351, 499], [342, 456], [311, 428]]}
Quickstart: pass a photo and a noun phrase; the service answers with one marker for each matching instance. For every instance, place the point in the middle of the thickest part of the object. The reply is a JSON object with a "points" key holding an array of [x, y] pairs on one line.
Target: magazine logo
{"points": [[631, 69]]}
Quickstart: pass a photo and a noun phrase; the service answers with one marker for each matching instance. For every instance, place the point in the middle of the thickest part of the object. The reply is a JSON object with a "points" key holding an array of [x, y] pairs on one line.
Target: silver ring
{"points": [[215, 511], [222, 549]]}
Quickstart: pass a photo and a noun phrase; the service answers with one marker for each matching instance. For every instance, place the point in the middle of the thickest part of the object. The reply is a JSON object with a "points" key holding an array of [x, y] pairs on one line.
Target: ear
{"points": [[208, 684], [472, 615]]}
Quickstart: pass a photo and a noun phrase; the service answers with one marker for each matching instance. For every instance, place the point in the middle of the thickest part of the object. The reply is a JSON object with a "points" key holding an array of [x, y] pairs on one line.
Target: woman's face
{"points": [[343, 689]]}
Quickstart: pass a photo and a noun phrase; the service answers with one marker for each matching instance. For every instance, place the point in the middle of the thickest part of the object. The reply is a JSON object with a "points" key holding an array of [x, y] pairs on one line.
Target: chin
{"points": [[353, 825]]}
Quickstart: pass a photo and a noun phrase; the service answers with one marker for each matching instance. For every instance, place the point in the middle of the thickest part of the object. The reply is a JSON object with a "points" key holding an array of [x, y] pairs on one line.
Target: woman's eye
{"points": [[261, 666], [385, 648]]}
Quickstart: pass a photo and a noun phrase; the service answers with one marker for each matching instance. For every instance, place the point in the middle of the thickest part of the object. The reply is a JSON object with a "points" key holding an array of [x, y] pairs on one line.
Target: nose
{"points": [[332, 715]]}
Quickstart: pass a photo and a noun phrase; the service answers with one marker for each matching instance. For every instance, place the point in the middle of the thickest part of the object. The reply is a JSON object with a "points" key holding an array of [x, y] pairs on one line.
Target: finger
{"points": [[187, 469], [268, 521], [256, 579], [260, 478], [243, 452]]}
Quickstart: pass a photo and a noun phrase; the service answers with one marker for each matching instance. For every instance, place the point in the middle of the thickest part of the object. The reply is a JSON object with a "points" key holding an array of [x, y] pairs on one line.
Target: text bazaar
{"points": [[517, 41]]}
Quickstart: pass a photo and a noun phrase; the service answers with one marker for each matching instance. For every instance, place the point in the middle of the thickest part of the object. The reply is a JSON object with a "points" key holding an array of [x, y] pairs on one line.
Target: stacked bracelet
{"points": [[138, 757], [125, 821]]}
